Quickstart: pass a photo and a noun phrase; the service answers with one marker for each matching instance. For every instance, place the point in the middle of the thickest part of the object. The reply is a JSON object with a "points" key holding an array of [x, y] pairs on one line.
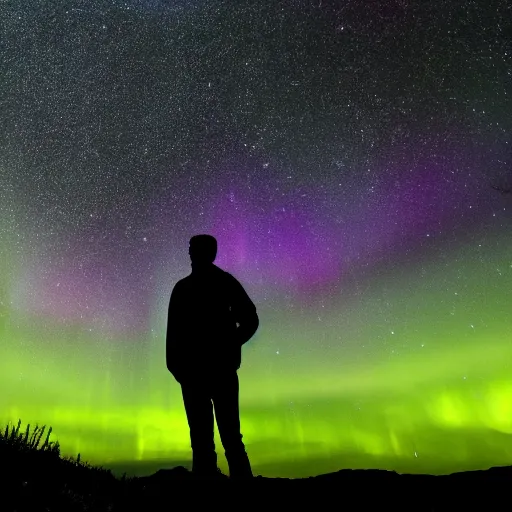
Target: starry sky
{"points": [[352, 158]]}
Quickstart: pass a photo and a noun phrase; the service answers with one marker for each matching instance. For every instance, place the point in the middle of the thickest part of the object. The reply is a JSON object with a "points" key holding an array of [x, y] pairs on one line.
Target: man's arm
{"points": [[244, 312]]}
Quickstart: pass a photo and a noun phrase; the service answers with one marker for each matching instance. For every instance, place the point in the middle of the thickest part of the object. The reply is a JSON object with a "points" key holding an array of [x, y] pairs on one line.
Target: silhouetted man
{"points": [[210, 318]]}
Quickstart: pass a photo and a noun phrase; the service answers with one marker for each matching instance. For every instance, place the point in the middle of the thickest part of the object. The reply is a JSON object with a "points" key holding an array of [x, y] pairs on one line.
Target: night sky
{"points": [[354, 161]]}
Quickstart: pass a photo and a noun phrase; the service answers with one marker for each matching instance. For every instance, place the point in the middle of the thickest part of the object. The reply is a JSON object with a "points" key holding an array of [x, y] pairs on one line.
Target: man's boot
{"points": [[239, 466], [204, 465]]}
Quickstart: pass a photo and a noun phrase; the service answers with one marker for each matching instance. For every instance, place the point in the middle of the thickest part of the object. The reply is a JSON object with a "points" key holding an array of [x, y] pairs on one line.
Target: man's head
{"points": [[203, 249]]}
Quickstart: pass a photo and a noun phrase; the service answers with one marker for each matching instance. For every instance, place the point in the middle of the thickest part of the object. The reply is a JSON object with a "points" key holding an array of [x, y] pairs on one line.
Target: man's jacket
{"points": [[210, 318]]}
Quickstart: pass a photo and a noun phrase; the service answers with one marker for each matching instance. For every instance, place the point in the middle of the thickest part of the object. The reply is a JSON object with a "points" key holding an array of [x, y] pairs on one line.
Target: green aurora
{"points": [[442, 408]]}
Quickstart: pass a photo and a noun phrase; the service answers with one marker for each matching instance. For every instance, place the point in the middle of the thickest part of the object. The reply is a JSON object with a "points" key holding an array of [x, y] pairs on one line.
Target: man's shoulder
{"points": [[182, 283], [225, 275]]}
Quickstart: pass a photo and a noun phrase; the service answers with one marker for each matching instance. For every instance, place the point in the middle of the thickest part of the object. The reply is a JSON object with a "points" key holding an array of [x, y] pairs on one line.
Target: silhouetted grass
{"points": [[36, 477]]}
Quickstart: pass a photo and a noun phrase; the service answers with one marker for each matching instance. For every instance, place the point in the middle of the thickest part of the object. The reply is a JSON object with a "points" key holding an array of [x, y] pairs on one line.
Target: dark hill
{"points": [[74, 488], [343, 490]]}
